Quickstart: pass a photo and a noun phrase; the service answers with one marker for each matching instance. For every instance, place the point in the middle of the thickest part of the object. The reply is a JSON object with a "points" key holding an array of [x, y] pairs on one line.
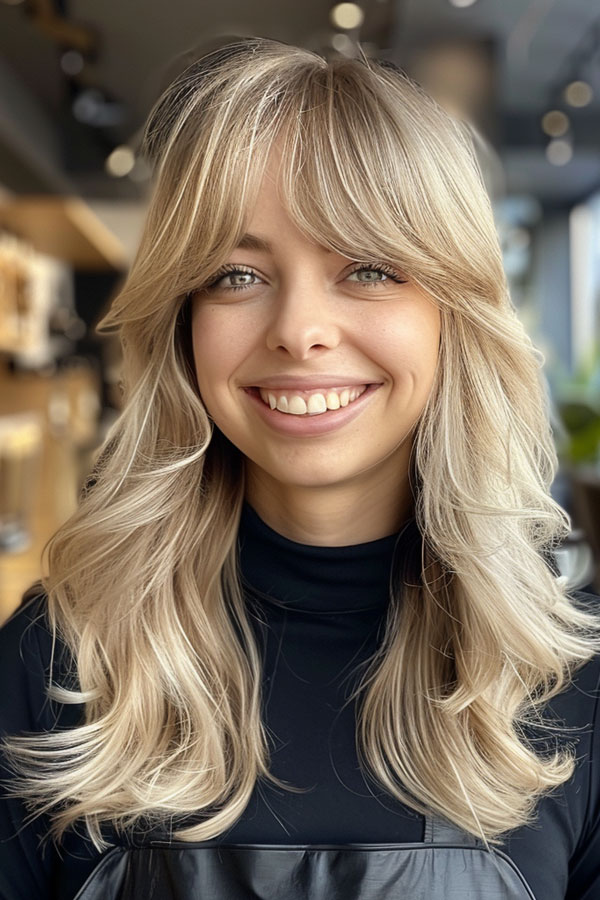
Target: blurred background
{"points": [[77, 80]]}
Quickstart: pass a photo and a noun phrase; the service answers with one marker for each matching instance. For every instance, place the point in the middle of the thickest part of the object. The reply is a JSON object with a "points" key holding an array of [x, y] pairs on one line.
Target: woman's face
{"points": [[308, 329]]}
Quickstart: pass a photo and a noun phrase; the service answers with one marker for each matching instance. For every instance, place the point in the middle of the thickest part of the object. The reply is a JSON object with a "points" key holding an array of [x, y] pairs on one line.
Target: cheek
{"points": [[408, 345], [219, 343]]}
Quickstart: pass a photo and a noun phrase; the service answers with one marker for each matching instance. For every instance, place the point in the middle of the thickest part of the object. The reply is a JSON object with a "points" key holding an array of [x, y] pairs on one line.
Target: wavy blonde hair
{"points": [[143, 582]]}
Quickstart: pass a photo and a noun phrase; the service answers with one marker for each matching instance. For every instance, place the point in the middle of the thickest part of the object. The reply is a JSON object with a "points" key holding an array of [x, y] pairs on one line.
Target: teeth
{"points": [[315, 404], [333, 401]]}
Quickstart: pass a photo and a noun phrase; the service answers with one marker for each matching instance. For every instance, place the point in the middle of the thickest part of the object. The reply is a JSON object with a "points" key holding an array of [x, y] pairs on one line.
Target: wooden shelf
{"points": [[63, 227], [65, 457]]}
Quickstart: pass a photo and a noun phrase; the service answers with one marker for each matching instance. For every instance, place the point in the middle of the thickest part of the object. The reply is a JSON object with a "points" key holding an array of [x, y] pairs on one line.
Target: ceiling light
{"points": [[578, 93], [347, 16], [559, 152], [120, 162], [555, 123], [461, 4]]}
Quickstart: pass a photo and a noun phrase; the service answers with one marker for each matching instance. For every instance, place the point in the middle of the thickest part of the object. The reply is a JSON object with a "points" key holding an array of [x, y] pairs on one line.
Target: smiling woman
{"points": [[305, 364], [303, 636]]}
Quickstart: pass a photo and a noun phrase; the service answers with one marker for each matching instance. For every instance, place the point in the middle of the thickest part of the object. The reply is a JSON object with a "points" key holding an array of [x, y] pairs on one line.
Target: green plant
{"points": [[577, 402]]}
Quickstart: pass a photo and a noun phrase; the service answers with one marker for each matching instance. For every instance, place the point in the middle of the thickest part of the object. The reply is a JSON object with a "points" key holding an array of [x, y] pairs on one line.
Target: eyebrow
{"points": [[253, 242]]}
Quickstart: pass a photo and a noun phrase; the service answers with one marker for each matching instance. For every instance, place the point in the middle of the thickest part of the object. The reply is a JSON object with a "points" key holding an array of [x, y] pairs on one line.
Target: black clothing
{"points": [[318, 614], [449, 863]]}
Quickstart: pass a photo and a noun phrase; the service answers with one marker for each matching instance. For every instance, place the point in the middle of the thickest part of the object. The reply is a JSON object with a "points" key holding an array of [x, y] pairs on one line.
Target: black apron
{"points": [[449, 865]]}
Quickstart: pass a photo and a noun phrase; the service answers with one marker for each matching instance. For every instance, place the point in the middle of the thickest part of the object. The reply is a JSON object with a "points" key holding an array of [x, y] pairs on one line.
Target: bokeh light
{"points": [[347, 16], [559, 152], [120, 162], [555, 123], [578, 93]]}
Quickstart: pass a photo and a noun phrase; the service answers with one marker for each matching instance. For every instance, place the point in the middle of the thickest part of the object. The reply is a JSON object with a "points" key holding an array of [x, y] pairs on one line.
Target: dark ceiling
{"points": [[532, 47]]}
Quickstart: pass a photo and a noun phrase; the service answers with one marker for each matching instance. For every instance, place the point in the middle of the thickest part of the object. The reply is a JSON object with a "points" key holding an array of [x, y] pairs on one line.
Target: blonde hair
{"points": [[143, 582]]}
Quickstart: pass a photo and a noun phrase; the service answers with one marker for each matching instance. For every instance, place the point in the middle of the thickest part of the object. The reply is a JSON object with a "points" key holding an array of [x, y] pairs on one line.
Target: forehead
{"points": [[250, 241]]}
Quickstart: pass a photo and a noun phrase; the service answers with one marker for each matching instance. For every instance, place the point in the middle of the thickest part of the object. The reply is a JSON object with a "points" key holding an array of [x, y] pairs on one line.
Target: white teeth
{"points": [[297, 406], [316, 404]]}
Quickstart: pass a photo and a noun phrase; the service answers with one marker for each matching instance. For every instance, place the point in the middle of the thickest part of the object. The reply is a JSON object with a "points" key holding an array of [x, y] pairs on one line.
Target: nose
{"points": [[303, 321]]}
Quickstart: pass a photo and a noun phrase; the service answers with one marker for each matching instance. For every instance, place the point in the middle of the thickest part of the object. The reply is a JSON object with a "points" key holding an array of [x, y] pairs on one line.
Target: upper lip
{"points": [[309, 382]]}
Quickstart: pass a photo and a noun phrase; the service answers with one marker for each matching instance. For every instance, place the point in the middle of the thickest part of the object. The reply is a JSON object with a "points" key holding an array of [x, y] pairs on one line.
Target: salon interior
{"points": [[77, 80]]}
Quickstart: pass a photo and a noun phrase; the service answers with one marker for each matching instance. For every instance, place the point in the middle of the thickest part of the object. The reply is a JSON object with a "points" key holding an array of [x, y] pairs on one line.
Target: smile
{"points": [[311, 403], [310, 424]]}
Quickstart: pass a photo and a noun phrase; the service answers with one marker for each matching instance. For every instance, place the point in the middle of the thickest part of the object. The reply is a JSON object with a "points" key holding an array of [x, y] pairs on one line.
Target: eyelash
{"points": [[242, 270]]}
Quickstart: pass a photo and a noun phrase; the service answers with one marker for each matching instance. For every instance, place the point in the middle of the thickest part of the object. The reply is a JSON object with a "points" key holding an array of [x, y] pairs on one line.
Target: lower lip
{"points": [[319, 423]]}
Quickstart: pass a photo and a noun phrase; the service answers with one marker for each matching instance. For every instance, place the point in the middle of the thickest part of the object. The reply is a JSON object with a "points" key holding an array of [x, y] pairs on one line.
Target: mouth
{"points": [[309, 403]]}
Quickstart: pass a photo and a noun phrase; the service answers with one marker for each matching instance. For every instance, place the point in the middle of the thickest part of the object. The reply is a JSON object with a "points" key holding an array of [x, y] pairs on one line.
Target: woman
{"points": [[308, 640]]}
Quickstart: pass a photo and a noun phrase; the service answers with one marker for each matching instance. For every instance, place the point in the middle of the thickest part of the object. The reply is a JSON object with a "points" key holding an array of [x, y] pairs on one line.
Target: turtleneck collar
{"points": [[314, 578]]}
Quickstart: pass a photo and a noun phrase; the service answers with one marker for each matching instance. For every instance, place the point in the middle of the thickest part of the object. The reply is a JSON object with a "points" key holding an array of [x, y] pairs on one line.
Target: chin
{"points": [[310, 474]]}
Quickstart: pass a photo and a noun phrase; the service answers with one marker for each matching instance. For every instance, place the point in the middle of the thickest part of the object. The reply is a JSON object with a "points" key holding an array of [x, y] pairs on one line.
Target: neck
{"points": [[332, 516]]}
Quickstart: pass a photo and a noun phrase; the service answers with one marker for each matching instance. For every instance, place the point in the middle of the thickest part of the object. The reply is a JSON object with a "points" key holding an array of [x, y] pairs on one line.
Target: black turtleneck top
{"points": [[323, 610], [318, 614]]}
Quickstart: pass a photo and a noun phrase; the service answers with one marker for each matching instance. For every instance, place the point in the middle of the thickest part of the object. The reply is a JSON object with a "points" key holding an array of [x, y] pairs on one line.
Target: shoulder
{"points": [[587, 600], [577, 709], [25, 628], [28, 657], [587, 677], [577, 704], [571, 720]]}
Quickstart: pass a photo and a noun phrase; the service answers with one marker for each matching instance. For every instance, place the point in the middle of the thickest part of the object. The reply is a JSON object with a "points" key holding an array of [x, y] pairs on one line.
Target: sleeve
{"points": [[26, 868]]}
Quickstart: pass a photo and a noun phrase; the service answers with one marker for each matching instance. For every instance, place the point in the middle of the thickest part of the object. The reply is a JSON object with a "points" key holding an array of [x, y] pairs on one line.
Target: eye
{"points": [[380, 268], [228, 272]]}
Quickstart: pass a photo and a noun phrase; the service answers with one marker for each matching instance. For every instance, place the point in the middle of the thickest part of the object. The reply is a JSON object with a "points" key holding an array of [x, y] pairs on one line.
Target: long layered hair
{"points": [[143, 580]]}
